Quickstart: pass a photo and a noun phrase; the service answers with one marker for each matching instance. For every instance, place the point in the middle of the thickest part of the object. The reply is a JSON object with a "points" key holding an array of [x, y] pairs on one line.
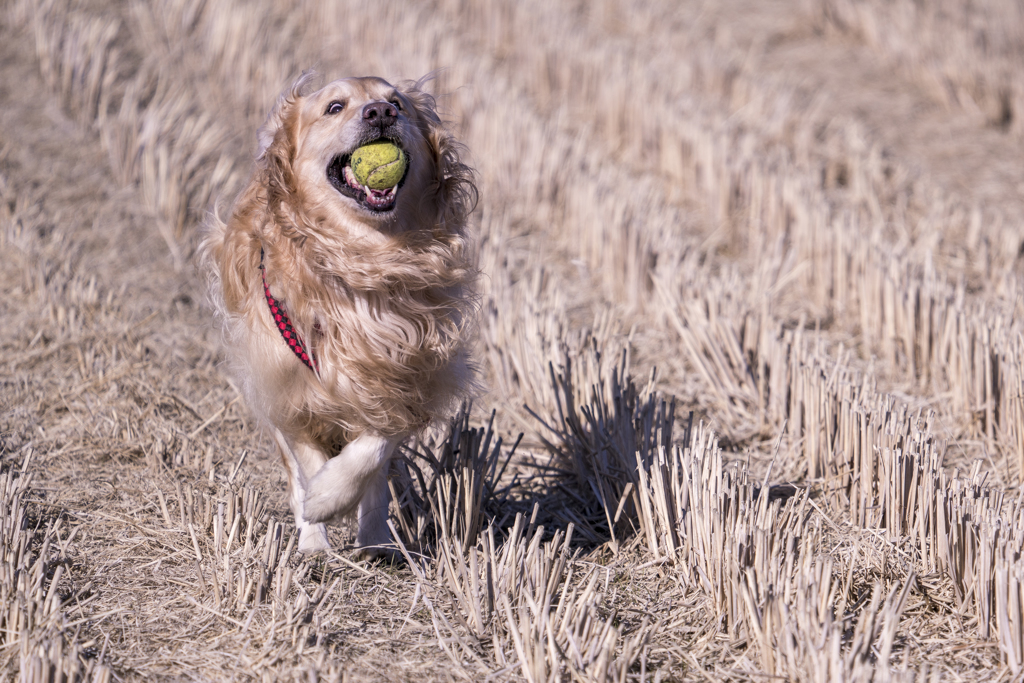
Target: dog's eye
{"points": [[397, 102], [335, 107]]}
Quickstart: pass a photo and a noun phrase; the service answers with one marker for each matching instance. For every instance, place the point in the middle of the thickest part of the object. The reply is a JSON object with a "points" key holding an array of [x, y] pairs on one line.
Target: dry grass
{"points": [[799, 224]]}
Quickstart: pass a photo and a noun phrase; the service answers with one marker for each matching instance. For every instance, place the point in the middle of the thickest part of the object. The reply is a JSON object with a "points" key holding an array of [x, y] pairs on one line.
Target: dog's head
{"points": [[306, 145]]}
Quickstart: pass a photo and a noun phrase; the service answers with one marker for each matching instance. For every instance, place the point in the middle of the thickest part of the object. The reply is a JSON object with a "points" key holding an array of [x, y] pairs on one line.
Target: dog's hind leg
{"points": [[302, 461], [355, 477]]}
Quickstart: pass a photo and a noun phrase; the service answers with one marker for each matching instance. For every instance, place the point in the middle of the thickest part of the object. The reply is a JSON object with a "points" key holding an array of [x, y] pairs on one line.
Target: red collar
{"points": [[284, 325]]}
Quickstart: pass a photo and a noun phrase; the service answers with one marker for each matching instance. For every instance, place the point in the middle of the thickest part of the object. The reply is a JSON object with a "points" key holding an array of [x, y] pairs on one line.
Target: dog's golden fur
{"points": [[383, 299]]}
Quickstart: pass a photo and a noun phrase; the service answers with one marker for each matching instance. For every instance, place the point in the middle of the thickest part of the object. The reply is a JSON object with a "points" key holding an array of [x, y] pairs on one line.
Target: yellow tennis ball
{"points": [[378, 165]]}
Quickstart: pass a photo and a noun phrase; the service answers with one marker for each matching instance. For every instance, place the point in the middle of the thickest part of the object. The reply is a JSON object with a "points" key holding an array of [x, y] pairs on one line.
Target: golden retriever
{"points": [[346, 310]]}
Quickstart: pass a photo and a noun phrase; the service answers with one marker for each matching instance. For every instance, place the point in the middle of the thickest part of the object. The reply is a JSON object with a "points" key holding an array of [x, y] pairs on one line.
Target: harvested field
{"points": [[751, 347]]}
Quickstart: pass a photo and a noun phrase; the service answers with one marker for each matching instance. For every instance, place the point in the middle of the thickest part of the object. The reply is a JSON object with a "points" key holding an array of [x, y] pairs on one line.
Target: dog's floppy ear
{"points": [[277, 142], [281, 112], [454, 190]]}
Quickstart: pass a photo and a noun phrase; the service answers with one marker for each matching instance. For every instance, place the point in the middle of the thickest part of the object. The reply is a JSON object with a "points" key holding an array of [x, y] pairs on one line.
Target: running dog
{"points": [[346, 309]]}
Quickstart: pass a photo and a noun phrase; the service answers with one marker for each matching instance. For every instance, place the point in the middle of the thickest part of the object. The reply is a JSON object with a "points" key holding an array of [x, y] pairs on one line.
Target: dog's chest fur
{"points": [[389, 359]]}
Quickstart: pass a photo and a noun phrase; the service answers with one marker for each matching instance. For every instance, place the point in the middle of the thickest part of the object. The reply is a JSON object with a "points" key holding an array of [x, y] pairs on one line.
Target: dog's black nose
{"points": [[380, 114]]}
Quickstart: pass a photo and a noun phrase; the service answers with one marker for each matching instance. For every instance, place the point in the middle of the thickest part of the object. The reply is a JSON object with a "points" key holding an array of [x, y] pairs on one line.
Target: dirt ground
{"points": [[751, 295]]}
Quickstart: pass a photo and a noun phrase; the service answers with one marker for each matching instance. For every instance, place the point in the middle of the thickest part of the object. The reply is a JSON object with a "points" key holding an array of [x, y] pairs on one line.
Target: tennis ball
{"points": [[378, 165]]}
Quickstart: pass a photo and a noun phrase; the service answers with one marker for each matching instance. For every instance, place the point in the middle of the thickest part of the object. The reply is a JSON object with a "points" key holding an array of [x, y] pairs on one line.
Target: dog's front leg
{"points": [[373, 533], [355, 477], [302, 462]]}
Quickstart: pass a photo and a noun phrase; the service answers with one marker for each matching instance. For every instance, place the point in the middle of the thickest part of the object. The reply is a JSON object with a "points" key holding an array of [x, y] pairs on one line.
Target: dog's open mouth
{"points": [[341, 176]]}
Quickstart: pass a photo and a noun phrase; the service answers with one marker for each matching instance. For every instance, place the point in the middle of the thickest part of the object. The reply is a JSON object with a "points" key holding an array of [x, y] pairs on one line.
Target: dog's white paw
{"points": [[338, 487], [313, 538], [326, 506], [333, 492]]}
